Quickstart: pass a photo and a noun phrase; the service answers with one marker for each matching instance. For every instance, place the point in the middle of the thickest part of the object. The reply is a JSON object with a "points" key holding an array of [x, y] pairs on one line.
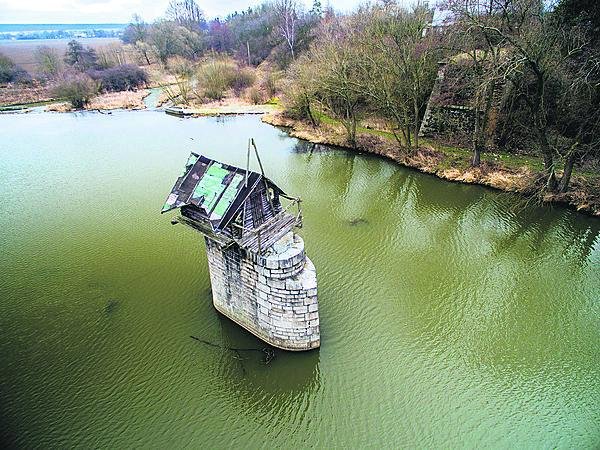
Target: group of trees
{"points": [[279, 29], [378, 61], [546, 58], [80, 75], [529, 67]]}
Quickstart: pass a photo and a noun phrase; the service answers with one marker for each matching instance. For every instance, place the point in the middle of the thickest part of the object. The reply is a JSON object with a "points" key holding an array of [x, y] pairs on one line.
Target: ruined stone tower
{"points": [[260, 275]]}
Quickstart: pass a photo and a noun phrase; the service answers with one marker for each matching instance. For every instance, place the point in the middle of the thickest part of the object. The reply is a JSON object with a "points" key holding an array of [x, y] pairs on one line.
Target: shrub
{"points": [[11, 73], [180, 66], [243, 78], [219, 73], [216, 76], [271, 83], [77, 88], [255, 96], [120, 78]]}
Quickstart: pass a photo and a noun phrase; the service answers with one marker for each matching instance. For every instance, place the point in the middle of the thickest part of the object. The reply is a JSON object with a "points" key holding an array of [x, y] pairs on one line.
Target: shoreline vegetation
{"points": [[135, 100], [448, 163]]}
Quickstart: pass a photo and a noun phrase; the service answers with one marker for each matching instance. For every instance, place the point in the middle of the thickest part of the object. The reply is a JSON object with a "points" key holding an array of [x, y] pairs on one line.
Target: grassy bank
{"points": [[506, 172]]}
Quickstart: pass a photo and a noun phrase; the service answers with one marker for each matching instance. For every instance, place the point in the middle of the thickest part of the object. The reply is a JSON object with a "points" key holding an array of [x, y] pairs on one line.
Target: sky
{"points": [[120, 11]]}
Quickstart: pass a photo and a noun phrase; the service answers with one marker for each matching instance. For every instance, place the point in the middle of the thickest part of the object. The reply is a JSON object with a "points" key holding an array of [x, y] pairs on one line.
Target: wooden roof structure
{"points": [[230, 204]]}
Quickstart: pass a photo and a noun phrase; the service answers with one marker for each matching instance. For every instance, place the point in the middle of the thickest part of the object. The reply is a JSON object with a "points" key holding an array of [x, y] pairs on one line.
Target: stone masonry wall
{"points": [[274, 295], [457, 121], [454, 120]]}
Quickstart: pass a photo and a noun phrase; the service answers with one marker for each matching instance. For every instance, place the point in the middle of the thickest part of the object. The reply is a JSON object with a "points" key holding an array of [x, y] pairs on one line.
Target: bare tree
{"points": [[186, 13], [549, 73], [287, 22], [337, 76], [397, 62], [532, 36], [576, 125], [484, 70], [48, 60]]}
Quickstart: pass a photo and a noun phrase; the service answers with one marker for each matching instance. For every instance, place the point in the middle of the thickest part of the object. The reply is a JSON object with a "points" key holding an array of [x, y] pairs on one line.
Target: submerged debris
{"points": [[268, 352], [357, 221], [111, 306]]}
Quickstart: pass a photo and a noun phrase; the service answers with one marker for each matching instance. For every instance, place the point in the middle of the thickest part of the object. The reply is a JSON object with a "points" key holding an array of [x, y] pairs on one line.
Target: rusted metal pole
{"points": [[257, 157]]}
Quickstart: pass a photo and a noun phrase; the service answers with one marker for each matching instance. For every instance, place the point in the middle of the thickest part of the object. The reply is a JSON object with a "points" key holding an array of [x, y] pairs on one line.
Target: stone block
{"points": [[285, 263], [293, 284], [272, 263], [271, 282]]}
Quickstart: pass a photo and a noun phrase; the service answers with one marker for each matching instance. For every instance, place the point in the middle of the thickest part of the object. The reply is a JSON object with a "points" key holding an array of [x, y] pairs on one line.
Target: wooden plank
{"points": [[205, 230], [270, 232]]}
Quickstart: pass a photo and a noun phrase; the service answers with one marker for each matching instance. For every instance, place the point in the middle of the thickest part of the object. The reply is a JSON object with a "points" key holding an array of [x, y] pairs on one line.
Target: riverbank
{"points": [[135, 100], [231, 106], [105, 101], [500, 171], [108, 101]]}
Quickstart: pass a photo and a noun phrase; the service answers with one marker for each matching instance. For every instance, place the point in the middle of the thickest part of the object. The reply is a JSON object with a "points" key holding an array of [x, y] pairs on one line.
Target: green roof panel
{"points": [[228, 196]]}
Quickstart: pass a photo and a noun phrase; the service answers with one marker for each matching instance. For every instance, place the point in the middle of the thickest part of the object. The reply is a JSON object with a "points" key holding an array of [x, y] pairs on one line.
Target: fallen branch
{"points": [[268, 352]]}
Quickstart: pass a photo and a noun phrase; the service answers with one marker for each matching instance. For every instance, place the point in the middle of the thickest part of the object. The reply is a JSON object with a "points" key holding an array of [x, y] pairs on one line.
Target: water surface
{"points": [[450, 315]]}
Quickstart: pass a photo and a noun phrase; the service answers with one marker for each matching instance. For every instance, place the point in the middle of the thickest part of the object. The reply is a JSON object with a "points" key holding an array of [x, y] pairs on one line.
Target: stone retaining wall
{"points": [[273, 295], [453, 120]]}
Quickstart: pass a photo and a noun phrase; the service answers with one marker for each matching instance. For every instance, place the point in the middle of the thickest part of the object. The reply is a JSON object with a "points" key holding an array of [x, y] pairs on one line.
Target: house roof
{"points": [[218, 190]]}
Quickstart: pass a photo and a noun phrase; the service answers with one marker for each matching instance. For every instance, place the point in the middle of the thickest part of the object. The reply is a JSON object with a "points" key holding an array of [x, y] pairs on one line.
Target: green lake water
{"points": [[452, 316]]}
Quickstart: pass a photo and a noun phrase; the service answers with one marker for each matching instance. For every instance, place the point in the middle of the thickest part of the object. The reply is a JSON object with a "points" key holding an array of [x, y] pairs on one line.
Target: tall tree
{"points": [[165, 40], [48, 61], [532, 36], [252, 33], [398, 65], [219, 36], [136, 30], [337, 76], [79, 57], [287, 22], [186, 13], [482, 64]]}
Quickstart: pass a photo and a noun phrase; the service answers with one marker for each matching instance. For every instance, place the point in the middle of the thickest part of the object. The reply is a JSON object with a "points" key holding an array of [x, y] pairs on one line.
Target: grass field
{"points": [[22, 52]]}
